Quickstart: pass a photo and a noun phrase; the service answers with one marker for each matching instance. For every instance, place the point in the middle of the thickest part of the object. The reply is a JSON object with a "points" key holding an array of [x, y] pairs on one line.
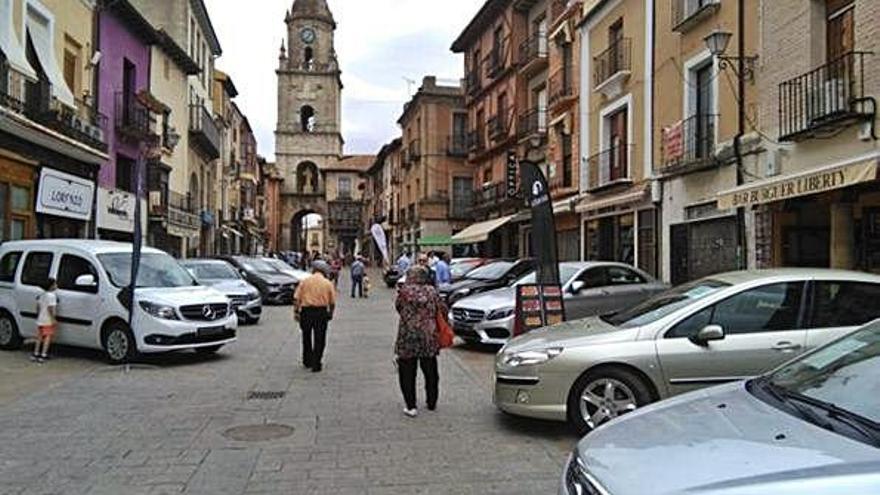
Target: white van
{"points": [[171, 311]]}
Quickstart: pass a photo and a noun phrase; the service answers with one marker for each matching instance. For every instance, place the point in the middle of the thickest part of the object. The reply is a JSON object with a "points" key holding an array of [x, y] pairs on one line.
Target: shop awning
{"points": [[437, 240], [814, 181], [9, 45], [590, 204], [479, 232]]}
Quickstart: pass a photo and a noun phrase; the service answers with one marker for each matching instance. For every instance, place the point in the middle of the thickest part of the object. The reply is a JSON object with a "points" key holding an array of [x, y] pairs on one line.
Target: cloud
{"points": [[380, 44]]}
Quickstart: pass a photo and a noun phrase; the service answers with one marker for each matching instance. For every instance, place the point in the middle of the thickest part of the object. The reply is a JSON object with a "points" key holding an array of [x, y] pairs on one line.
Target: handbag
{"points": [[445, 335]]}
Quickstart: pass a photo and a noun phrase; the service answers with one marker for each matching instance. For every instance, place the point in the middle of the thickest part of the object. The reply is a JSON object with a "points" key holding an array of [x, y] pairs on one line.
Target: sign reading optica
{"points": [[65, 195]]}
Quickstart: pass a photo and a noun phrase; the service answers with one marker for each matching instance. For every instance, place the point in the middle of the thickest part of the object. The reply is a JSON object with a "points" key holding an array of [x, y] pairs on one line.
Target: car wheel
{"points": [[10, 339], [119, 344], [599, 397], [207, 351]]}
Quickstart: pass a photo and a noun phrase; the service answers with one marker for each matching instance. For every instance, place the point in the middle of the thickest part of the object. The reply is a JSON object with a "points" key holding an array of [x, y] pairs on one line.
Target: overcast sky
{"points": [[379, 44]]}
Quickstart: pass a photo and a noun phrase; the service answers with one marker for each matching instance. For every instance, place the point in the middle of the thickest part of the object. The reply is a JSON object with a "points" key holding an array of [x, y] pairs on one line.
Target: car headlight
{"points": [[254, 295], [462, 292], [530, 358], [500, 314], [161, 311]]}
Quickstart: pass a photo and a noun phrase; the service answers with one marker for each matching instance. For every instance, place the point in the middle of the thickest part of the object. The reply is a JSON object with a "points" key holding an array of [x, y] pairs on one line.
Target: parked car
{"points": [[245, 298], [275, 287], [808, 428], [460, 267], [722, 328], [589, 288], [493, 275], [286, 269], [172, 311]]}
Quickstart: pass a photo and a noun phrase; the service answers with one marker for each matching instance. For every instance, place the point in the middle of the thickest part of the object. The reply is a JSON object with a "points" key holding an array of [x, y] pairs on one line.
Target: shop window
{"points": [[70, 269], [844, 304], [8, 266], [36, 269], [611, 239]]}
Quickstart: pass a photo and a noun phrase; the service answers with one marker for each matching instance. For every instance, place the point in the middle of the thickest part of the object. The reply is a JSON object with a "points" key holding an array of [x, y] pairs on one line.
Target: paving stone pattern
{"points": [[158, 427]]}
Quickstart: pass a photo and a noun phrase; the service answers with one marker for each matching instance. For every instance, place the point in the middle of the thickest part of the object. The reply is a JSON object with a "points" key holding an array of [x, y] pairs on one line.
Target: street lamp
{"points": [[742, 66]]}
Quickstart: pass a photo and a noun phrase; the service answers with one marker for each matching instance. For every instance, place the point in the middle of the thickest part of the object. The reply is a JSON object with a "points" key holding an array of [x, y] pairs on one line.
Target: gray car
{"points": [[723, 328], [811, 427], [589, 288], [222, 276]]}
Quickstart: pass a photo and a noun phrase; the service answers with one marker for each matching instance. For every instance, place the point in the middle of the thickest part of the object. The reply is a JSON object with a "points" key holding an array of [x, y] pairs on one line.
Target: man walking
{"points": [[358, 270], [404, 263], [314, 303], [444, 275]]}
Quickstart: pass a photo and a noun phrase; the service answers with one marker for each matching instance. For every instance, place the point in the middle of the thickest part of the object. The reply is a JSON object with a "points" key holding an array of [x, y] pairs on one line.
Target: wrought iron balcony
{"points": [[609, 167], [689, 144], [688, 13], [533, 51], [494, 62], [203, 131], [472, 81], [183, 210], [560, 86], [533, 122], [456, 145], [477, 140], [614, 62], [133, 119], [415, 150], [497, 126], [824, 99], [83, 123]]}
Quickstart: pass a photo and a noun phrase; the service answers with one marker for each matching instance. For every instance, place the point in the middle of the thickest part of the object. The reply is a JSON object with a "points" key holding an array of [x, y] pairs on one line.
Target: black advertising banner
{"points": [[537, 306], [537, 195]]}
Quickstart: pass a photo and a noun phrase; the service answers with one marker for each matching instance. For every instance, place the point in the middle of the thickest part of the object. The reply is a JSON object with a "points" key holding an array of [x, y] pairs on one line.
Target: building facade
{"points": [[346, 184], [308, 139]]}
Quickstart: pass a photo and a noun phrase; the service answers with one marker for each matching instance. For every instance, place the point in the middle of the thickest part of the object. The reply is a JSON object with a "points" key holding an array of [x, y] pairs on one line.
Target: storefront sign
{"points": [[116, 210], [65, 195], [511, 175], [813, 182]]}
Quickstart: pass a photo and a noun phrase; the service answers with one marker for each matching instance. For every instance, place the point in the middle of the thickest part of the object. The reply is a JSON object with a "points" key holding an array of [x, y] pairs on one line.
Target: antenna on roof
{"points": [[409, 84]]}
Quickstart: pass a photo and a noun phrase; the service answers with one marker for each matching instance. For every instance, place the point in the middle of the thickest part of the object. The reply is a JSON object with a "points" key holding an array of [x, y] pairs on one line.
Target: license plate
{"points": [[211, 331]]}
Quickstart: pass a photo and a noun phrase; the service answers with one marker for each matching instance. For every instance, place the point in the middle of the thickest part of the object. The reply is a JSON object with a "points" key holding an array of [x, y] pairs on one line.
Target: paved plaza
{"points": [[252, 420]]}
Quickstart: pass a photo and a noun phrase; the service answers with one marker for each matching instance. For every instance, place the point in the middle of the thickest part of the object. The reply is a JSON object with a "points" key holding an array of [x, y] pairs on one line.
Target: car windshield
{"points": [[566, 273], [211, 271], [155, 270], [259, 266], [462, 268], [842, 375], [492, 271], [278, 265], [665, 303]]}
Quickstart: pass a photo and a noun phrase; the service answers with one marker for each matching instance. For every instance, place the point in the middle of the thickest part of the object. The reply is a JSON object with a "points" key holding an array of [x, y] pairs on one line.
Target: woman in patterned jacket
{"points": [[418, 304]]}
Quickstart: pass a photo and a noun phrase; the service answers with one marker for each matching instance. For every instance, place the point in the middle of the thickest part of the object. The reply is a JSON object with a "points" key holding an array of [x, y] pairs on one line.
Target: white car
{"points": [[171, 311]]}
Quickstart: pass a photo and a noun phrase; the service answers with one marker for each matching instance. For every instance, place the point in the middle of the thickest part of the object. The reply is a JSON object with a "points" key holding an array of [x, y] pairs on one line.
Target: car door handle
{"points": [[786, 347]]}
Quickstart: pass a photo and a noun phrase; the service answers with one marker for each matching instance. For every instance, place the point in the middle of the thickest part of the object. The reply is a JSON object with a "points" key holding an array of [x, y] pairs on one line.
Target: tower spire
{"points": [[312, 9]]}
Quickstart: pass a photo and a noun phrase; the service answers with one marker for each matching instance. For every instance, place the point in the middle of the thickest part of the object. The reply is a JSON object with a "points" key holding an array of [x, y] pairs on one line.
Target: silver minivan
{"points": [[719, 329]]}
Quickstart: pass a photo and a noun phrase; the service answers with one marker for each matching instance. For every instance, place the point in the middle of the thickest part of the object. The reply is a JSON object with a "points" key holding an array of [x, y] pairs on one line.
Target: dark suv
{"points": [[274, 286]]}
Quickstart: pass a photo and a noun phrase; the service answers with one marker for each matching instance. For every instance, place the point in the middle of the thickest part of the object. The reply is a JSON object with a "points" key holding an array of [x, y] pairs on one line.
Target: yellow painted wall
{"points": [[172, 91], [73, 28]]}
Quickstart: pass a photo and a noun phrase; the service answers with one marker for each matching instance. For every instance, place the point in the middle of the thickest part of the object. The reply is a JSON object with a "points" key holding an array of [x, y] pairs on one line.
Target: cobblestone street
{"points": [[78, 426]]}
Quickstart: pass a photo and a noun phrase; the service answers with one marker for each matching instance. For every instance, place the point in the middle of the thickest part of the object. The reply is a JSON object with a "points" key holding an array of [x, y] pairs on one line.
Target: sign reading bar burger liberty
{"points": [[804, 184]]}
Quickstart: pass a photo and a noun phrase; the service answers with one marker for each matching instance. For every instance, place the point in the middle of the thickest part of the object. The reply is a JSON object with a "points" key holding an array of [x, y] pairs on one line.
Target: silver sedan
{"points": [[590, 288], [716, 330]]}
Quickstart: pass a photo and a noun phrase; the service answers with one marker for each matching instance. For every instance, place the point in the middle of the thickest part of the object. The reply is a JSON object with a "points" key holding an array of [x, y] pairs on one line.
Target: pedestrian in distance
{"points": [[418, 339], [314, 303], [358, 272], [444, 274], [47, 303], [404, 263]]}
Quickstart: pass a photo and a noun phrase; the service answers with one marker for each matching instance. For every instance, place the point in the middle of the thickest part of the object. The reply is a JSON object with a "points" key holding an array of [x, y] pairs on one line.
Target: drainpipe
{"points": [[737, 141]]}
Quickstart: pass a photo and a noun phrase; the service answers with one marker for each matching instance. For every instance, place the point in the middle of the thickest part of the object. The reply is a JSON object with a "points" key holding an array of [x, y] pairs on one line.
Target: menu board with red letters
{"points": [[538, 306]]}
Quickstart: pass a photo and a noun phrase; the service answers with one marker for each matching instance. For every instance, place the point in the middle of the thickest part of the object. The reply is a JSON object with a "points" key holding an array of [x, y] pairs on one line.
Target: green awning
{"points": [[437, 240]]}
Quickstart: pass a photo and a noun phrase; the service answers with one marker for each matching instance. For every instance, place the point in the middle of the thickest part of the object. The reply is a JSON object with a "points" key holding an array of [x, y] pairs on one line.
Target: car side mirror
{"points": [[577, 287], [709, 333], [85, 281]]}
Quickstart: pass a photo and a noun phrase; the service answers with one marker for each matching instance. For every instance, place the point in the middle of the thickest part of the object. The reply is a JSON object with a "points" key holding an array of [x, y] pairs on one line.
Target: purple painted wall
{"points": [[118, 43]]}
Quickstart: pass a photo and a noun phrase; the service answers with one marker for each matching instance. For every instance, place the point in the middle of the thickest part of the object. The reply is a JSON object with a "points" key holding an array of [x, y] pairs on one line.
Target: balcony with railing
{"points": [[12, 86], [612, 67], [560, 87], [477, 140], [557, 8], [491, 196], [472, 81], [532, 123], [203, 131], [497, 125], [688, 13], [82, 123], [183, 211], [415, 150], [456, 145], [533, 53], [134, 120], [689, 145], [494, 62], [825, 99], [610, 167]]}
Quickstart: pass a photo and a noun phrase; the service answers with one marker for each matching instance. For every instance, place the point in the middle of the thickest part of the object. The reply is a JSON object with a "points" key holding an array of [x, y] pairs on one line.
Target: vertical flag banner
{"points": [[138, 230], [381, 240], [537, 194]]}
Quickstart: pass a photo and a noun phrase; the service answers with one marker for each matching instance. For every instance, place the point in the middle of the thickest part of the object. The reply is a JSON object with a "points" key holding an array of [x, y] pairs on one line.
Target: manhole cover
{"points": [[258, 433], [266, 395]]}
